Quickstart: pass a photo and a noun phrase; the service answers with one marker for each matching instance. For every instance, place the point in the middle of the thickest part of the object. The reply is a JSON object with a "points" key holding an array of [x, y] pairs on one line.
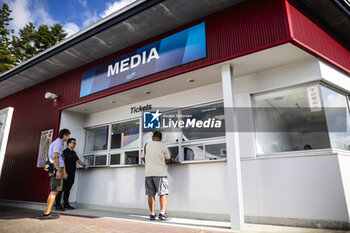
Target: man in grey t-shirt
{"points": [[155, 156]]}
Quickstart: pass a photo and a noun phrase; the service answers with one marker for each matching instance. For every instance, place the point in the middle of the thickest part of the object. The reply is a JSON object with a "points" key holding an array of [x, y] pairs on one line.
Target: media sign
{"points": [[177, 49]]}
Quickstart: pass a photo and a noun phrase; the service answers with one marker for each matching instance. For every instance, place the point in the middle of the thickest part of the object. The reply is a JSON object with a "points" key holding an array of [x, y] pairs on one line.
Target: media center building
{"points": [[199, 58]]}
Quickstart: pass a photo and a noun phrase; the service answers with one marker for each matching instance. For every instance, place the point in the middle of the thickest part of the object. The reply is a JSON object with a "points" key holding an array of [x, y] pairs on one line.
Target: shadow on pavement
{"points": [[8, 213], [13, 213]]}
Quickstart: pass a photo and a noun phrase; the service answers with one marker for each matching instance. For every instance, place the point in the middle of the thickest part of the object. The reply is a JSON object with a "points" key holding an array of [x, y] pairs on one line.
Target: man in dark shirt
{"points": [[70, 160]]}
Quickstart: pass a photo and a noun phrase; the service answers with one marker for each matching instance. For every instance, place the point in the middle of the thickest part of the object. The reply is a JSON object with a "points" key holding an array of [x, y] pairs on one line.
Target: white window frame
{"points": [[86, 132], [180, 143]]}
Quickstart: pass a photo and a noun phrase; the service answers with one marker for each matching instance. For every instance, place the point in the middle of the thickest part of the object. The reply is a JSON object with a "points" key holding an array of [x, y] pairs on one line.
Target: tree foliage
{"points": [[30, 41], [7, 60]]}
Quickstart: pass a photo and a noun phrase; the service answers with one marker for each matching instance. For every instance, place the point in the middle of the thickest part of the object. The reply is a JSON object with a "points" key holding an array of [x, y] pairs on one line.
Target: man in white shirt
{"points": [[56, 178], [155, 156]]}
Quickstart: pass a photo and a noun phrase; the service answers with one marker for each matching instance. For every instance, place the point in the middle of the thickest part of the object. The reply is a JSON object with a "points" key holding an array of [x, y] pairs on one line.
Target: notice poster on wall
{"points": [[5, 123], [45, 141]]}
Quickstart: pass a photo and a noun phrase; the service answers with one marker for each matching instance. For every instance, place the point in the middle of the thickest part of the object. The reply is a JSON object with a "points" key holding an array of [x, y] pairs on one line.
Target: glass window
{"points": [[289, 120], [337, 114], [215, 151], [125, 158], [131, 157], [125, 138], [125, 135], [170, 135], [115, 159], [173, 151], [195, 152], [100, 160], [96, 139], [89, 160], [208, 113]]}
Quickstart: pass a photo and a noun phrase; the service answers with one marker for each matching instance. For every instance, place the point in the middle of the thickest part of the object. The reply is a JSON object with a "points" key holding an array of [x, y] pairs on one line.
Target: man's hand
{"points": [[58, 174], [65, 175], [171, 160], [85, 167]]}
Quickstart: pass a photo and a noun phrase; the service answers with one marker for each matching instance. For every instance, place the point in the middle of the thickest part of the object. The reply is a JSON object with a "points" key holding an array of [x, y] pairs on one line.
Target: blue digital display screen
{"points": [[177, 49]]}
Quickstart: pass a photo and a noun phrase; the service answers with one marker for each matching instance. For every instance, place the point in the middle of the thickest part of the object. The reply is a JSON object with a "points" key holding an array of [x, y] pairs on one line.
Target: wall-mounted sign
{"points": [[177, 49], [315, 103], [141, 108]]}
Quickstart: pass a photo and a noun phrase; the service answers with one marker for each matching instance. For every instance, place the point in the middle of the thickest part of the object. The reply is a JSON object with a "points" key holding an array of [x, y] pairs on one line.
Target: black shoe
{"points": [[50, 216], [59, 208], [164, 217], [152, 217], [69, 207]]}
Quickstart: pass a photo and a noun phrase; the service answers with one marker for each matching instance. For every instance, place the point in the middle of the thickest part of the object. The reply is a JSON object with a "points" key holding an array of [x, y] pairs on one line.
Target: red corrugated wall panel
{"points": [[307, 34], [242, 29]]}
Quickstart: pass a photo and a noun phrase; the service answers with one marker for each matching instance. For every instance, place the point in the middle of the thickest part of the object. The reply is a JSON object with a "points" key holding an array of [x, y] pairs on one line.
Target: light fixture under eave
{"points": [[191, 80], [52, 96], [84, 109], [112, 101], [148, 92]]}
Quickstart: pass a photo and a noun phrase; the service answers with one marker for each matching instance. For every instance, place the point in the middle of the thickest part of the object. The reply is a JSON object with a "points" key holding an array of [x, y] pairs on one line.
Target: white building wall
{"points": [[307, 187], [299, 187], [334, 77], [124, 188], [344, 164]]}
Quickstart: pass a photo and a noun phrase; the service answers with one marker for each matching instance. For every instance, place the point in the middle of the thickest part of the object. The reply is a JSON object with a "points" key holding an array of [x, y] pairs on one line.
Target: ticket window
{"points": [[124, 158], [131, 157]]}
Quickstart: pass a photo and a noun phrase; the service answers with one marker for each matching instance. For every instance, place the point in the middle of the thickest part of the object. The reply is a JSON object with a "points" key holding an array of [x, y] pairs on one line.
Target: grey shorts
{"points": [[156, 184], [56, 184]]}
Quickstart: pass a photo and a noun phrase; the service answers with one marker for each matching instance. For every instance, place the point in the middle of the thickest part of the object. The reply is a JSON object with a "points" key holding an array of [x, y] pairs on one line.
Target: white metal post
{"points": [[233, 152]]}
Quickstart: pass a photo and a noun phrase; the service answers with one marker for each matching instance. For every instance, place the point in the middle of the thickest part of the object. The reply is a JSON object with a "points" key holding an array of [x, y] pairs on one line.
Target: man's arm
{"points": [[143, 154], [143, 157], [56, 164], [65, 175], [167, 156], [82, 164]]}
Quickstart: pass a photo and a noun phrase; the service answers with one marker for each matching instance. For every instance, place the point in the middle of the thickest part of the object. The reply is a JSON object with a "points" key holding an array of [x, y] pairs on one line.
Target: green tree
{"points": [[48, 36], [23, 45], [29, 42], [7, 60]]}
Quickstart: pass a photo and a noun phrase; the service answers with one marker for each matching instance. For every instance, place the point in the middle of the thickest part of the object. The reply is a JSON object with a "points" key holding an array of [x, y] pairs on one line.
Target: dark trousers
{"points": [[67, 185]]}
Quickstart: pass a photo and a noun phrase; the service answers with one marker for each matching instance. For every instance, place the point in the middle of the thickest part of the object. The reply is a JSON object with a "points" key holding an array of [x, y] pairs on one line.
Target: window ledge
{"points": [[342, 152], [198, 162], [292, 154], [171, 164], [112, 166]]}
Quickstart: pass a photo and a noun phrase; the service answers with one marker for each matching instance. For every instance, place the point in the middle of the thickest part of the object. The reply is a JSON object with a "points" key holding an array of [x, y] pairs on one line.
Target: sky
{"points": [[74, 15]]}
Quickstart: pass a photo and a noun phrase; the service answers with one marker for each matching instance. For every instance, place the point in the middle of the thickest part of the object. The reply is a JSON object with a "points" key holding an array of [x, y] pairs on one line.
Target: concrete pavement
{"points": [[13, 220]]}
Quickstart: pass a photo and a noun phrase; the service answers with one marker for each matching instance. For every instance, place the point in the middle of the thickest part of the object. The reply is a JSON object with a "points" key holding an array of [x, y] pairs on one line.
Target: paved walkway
{"points": [[83, 220]]}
